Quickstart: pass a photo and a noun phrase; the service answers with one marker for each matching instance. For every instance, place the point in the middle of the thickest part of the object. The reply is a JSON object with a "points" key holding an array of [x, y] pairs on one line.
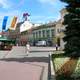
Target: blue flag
{"points": [[4, 22]]}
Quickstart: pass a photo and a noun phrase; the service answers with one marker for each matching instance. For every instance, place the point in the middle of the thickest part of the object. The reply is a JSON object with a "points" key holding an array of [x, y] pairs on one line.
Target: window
{"points": [[52, 32], [34, 35], [40, 34], [58, 30], [48, 33], [43, 33]]}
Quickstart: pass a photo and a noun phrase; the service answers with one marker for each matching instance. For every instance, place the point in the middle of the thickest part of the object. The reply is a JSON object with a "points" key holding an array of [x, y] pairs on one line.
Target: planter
{"points": [[66, 68]]}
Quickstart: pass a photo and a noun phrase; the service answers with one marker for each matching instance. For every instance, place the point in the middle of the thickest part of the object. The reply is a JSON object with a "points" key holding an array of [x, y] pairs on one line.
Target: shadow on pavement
{"points": [[27, 59]]}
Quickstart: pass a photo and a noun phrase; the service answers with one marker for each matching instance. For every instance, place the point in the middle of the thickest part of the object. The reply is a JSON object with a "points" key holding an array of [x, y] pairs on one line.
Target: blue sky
{"points": [[41, 11]]}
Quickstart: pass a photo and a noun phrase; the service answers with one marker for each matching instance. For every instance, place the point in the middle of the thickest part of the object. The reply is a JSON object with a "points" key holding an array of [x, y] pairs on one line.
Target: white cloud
{"points": [[54, 3], [44, 19], [5, 4], [11, 4], [47, 1]]}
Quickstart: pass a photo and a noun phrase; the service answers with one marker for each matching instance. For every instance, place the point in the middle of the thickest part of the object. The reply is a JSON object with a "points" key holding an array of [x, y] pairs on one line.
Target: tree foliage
{"points": [[72, 31]]}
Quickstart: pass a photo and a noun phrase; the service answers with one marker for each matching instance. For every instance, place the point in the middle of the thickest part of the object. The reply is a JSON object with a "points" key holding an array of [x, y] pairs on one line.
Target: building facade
{"points": [[44, 32], [38, 33], [59, 29]]}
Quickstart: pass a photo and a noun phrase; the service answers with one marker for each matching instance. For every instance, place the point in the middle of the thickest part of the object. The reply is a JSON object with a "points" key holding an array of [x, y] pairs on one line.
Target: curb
{"points": [[41, 51], [53, 75]]}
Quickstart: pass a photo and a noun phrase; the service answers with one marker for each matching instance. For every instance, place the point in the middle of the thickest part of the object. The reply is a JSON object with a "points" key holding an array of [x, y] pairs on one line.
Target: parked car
{"points": [[49, 43], [41, 43]]}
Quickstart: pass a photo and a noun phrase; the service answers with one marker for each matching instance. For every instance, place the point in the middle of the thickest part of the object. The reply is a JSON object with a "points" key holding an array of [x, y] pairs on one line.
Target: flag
{"points": [[25, 16], [13, 23], [4, 22]]}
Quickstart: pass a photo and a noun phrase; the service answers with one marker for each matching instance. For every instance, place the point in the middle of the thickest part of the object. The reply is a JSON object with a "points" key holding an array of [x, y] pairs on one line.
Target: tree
{"points": [[72, 31]]}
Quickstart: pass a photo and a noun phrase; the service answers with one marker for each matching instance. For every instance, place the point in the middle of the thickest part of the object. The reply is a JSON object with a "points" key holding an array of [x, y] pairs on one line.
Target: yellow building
{"points": [[59, 30]]}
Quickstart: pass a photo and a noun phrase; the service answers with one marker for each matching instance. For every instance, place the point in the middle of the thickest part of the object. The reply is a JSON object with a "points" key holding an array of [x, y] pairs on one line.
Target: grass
{"points": [[59, 60]]}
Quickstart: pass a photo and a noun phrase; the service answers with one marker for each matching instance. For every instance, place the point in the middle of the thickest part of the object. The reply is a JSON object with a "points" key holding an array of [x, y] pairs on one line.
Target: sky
{"points": [[41, 11]]}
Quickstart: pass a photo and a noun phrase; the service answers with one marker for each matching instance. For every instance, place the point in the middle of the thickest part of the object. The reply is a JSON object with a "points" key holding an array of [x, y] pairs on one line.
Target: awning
{"points": [[5, 39]]}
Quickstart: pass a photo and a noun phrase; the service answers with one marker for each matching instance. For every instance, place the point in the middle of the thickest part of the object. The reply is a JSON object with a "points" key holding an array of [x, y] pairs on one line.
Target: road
{"points": [[45, 49], [16, 65]]}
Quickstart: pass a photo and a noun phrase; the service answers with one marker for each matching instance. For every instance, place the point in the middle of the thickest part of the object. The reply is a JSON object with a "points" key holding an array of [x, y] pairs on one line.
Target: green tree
{"points": [[72, 31]]}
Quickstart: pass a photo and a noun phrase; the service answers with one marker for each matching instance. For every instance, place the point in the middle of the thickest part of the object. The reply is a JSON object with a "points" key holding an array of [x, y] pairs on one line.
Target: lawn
{"points": [[65, 67]]}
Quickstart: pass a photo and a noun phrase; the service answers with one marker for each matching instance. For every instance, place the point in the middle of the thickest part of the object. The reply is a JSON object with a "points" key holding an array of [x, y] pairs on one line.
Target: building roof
{"points": [[48, 25]]}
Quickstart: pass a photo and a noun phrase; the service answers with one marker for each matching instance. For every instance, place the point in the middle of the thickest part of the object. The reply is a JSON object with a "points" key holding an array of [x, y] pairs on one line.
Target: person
{"points": [[17, 44], [27, 48], [56, 47]]}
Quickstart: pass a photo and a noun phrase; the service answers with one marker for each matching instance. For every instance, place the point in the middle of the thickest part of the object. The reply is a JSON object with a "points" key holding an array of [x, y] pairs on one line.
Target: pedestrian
{"points": [[56, 47], [17, 44], [27, 48]]}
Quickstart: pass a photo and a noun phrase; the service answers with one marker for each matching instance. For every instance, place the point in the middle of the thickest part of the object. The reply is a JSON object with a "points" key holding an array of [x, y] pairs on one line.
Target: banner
{"points": [[4, 22], [13, 24]]}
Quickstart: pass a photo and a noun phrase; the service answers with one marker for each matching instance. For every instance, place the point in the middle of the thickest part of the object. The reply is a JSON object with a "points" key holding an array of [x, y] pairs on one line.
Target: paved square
{"points": [[19, 71], [16, 65]]}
